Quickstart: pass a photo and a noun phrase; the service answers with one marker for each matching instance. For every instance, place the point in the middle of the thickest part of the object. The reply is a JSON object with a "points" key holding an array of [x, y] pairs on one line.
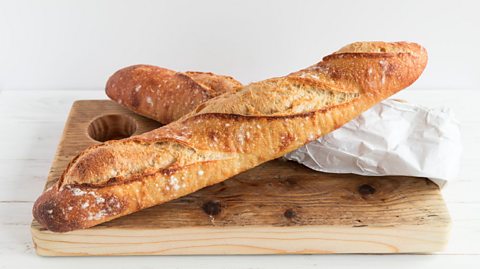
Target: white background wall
{"points": [[78, 44]]}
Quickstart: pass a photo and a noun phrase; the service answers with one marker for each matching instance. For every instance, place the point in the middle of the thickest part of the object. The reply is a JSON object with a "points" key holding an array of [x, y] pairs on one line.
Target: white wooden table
{"points": [[31, 123]]}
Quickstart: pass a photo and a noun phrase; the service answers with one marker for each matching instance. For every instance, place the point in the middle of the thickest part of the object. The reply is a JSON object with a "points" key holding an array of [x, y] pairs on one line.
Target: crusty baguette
{"points": [[226, 135], [165, 95]]}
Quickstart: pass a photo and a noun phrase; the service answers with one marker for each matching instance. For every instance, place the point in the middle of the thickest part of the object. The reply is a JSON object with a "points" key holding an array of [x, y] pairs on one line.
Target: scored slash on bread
{"points": [[227, 135], [165, 95]]}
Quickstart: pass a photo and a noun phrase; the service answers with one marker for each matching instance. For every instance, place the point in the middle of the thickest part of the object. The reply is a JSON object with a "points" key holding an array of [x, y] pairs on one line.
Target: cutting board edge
{"points": [[238, 240]]}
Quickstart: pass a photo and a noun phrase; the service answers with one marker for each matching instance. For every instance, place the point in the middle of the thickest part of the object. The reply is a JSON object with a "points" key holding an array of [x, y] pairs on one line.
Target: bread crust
{"points": [[162, 94], [227, 135]]}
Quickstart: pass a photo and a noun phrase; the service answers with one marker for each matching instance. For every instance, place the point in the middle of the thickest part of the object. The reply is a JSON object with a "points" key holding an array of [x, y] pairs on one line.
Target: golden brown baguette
{"points": [[227, 135], [165, 95]]}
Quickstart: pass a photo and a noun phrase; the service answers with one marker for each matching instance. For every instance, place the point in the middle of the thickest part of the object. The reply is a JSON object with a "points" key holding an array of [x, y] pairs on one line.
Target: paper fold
{"points": [[392, 138]]}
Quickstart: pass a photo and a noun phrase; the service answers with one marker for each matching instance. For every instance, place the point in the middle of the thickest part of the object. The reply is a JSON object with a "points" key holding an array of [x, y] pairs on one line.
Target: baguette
{"points": [[165, 95], [226, 135]]}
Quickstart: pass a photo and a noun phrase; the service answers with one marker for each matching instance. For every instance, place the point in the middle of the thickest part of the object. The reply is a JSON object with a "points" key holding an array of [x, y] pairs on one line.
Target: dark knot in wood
{"points": [[289, 213], [366, 189], [212, 208]]}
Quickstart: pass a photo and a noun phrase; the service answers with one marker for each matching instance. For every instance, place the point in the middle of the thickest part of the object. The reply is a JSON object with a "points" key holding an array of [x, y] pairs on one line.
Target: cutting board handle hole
{"points": [[111, 127]]}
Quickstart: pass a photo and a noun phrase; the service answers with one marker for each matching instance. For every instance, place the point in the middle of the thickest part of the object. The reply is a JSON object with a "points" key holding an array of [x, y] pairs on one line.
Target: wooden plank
{"points": [[465, 218], [279, 207]]}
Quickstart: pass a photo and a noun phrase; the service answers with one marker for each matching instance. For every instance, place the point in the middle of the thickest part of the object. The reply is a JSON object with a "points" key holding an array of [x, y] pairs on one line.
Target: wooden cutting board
{"points": [[280, 207]]}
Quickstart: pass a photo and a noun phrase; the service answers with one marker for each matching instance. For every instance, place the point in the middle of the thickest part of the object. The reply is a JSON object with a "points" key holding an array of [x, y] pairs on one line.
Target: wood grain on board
{"points": [[279, 207]]}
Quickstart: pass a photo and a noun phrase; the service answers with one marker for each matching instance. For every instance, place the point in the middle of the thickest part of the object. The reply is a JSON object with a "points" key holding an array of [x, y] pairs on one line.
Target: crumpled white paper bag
{"points": [[392, 138]]}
